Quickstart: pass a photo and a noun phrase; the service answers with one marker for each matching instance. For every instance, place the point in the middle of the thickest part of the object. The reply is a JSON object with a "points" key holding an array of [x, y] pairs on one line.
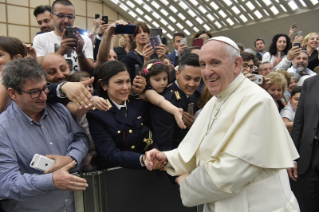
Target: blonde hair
{"points": [[305, 40], [277, 79], [122, 41]]}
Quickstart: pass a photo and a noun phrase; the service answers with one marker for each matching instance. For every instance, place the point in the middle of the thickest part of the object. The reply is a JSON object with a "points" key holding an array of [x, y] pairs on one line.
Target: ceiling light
{"points": [[251, 16], [274, 10], [194, 2], [165, 2], [130, 4], [156, 15], [283, 8], [265, 11], [222, 13], [164, 22], [258, 14], [202, 9], [214, 5], [172, 19], [228, 2], [124, 7], [179, 26], [206, 27], [155, 24], [181, 16], [139, 11], [243, 8], [200, 21], [183, 5], [267, 2], [164, 12], [293, 5], [210, 17], [133, 14], [236, 10], [115, 1], [303, 3], [250, 5], [191, 13], [148, 18], [173, 8], [218, 24], [164, 31], [139, 1], [155, 4], [314, 2], [187, 32], [230, 21], [189, 23], [171, 28], [147, 8], [169, 36], [243, 18], [195, 29], [139, 19]]}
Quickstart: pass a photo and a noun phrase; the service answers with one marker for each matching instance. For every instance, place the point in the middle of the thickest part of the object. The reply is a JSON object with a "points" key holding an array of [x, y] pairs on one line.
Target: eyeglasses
{"points": [[36, 94], [62, 16], [245, 65]]}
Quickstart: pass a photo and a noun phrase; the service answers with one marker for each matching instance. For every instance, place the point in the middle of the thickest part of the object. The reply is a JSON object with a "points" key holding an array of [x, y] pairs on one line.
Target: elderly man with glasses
{"points": [[79, 57], [30, 126]]}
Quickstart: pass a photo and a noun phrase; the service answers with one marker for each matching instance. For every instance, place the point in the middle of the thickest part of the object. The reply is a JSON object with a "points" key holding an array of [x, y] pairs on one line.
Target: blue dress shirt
{"points": [[25, 188]]}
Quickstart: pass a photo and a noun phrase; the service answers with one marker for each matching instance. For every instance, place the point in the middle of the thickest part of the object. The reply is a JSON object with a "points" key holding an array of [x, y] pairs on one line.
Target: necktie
{"points": [[123, 109]]}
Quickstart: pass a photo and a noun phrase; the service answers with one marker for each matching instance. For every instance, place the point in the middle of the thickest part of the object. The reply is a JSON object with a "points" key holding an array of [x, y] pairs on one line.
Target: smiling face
{"points": [[300, 62], [313, 41], [28, 105], [56, 67], [218, 70], [294, 100], [275, 91], [119, 87], [188, 79], [281, 44], [159, 81], [141, 37], [45, 21], [60, 24]]}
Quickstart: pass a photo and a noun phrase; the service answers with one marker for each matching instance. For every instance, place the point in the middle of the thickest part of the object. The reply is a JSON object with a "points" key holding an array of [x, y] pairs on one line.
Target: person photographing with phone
{"points": [[76, 49]]}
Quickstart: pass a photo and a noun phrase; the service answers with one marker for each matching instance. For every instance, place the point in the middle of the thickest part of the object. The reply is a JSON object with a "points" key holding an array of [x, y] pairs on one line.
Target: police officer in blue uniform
{"points": [[183, 94], [121, 134]]}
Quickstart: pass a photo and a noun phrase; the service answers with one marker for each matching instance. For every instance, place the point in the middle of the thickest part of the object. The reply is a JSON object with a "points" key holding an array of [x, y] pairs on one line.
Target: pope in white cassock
{"points": [[234, 157]]}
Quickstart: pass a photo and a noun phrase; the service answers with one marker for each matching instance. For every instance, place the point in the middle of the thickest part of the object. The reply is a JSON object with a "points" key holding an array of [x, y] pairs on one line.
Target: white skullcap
{"points": [[225, 40]]}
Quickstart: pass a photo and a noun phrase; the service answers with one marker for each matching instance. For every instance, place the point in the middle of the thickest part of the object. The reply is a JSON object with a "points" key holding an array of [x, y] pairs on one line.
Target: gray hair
{"points": [[294, 75], [264, 63], [17, 72]]}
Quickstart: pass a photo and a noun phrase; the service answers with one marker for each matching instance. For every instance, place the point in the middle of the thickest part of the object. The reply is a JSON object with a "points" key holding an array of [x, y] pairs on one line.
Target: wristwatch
{"points": [[81, 54]]}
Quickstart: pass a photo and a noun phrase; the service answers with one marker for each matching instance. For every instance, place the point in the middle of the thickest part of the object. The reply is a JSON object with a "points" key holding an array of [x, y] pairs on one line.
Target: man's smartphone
{"points": [[297, 44], [70, 32], [105, 19], [294, 26], [97, 16], [259, 79], [299, 33], [184, 41], [199, 42], [41, 162], [156, 31], [190, 108], [125, 29]]}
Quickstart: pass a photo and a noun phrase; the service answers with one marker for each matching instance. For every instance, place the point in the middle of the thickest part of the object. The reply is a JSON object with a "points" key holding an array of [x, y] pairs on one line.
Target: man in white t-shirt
{"points": [[79, 58]]}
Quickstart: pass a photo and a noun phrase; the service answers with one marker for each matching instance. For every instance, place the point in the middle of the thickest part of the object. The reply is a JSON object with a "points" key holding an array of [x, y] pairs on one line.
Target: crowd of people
{"points": [[112, 100]]}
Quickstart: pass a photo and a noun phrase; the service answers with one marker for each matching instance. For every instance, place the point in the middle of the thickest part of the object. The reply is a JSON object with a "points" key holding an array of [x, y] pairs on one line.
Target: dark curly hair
{"points": [[273, 45]]}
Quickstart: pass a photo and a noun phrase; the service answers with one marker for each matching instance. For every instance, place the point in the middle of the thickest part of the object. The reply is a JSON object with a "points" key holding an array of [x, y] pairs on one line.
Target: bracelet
{"points": [[81, 54], [60, 89]]}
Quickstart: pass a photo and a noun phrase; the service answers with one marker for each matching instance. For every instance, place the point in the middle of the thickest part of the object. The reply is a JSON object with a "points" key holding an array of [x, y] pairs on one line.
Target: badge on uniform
{"points": [[109, 103], [178, 97], [139, 117]]}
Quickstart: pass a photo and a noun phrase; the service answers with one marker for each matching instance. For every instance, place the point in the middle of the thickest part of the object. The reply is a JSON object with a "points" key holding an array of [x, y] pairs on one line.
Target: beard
{"points": [[300, 67]]}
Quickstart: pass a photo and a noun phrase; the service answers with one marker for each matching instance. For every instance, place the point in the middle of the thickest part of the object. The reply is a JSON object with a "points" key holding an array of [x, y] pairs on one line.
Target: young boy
{"points": [[288, 113]]}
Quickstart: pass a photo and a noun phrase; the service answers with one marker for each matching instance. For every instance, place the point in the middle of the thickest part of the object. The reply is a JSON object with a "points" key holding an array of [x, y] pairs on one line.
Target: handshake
{"points": [[155, 159]]}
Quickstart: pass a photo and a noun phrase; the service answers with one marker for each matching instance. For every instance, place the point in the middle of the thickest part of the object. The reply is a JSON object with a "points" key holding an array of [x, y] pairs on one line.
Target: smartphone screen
{"points": [[105, 19], [297, 44], [97, 16]]}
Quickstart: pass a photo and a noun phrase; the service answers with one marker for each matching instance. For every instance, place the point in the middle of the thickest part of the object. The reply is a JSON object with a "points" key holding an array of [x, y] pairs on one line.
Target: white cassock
{"points": [[236, 154]]}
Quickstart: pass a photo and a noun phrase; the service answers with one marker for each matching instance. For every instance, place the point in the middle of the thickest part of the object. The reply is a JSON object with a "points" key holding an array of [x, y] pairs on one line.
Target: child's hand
{"points": [[100, 103], [179, 118]]}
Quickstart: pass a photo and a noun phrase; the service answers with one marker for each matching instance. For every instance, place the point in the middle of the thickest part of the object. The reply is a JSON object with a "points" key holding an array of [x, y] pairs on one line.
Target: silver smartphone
{"points": [[259, 79], [41, 162], [184, 41]]}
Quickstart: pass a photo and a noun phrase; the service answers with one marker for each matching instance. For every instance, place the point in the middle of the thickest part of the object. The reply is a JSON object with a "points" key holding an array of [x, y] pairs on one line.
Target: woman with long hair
{"points": [[311, 43]]}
